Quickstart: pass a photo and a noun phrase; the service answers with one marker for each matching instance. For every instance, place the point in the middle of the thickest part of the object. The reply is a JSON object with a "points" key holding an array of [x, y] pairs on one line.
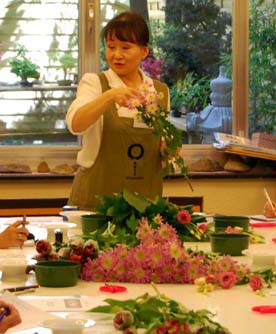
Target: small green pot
{"points": [[222, 222], [59, 273], [229, 244], [93, 222]]}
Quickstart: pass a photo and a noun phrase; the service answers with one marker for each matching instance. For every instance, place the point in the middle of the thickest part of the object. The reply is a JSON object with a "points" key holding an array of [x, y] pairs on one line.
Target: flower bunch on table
{"points": [[160, 257], [127, 209], [158, 314], [154, 116]]}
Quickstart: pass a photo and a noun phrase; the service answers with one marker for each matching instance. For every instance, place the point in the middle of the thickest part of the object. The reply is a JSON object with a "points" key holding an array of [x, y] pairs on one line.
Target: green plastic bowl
{"points": [[229, 244], [93, 222], [58, 273], [222, 222]]}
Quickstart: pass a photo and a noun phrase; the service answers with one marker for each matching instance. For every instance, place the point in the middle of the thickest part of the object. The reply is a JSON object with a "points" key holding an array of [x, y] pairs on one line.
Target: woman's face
{"points": [[123, 57]]}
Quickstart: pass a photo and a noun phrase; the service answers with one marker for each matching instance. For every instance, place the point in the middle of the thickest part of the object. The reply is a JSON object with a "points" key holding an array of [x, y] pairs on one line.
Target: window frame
{"points": [[89, 60]]}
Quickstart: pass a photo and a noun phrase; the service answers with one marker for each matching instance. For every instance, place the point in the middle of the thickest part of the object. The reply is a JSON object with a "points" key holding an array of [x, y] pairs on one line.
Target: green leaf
{"points": [[136, 200], [132, 223]]}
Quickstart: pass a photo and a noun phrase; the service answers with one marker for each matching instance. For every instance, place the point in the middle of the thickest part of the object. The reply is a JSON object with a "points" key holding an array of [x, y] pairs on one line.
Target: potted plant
{"points": [[24, 67], [67, 62], [189, 95]]}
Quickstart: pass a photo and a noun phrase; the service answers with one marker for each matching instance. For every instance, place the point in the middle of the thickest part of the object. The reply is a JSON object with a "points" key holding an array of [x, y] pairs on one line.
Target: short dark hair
{"points": [[128, 26]]}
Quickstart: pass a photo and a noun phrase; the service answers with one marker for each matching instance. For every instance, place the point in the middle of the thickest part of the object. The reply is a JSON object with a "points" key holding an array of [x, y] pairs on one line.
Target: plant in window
{"points": [[194, 35], [190, 94], [68, 62], [24, 67]]}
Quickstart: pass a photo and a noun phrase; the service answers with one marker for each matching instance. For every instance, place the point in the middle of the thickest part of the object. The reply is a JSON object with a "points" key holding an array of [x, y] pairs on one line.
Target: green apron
{"points": [[129, 158]]}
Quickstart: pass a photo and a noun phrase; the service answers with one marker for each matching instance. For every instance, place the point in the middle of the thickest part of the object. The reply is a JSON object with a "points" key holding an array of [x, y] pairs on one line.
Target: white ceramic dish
{"points": [[62, 226], [262, 258], [67, 326]]}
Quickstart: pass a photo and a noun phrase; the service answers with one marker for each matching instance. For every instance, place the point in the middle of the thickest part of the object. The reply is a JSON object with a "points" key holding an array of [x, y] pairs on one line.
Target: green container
{"points": [[93, 222], [57, 273], [229, 244], [222, 222]]}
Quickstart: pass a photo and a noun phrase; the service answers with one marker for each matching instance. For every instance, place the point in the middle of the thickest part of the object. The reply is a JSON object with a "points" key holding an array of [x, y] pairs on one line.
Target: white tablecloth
{"points": [[232, 307]]}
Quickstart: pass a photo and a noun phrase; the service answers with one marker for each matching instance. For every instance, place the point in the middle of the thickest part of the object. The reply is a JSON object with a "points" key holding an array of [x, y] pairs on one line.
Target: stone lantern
{"points": [[217, 116]]}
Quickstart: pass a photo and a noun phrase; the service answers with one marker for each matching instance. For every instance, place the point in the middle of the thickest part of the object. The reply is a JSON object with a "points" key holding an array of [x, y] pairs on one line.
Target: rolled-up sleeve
{"points": [[88, 89]]}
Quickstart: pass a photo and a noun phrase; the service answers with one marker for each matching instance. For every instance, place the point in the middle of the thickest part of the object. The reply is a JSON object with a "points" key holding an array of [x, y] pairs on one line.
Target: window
{"points": [[39, 70], [73, 29], [262, 68]]}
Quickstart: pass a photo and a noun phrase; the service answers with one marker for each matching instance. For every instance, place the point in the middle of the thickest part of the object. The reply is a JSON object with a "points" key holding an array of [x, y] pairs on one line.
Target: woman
{"points": [[14, 235], [11, 317], [117, 151]]}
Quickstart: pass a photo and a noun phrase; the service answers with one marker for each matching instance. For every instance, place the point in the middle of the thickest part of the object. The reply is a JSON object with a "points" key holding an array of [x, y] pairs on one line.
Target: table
{"points": [[233, 307]]}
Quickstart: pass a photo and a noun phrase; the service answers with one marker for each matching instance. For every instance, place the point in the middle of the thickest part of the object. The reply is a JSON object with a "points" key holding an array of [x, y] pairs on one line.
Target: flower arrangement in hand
{"points": [[154, 116]]}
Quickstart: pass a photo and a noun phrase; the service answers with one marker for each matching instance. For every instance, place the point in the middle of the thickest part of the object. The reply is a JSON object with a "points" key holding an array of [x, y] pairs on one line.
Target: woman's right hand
{"points": [[11, 319], [14, 235], [268, 211]]}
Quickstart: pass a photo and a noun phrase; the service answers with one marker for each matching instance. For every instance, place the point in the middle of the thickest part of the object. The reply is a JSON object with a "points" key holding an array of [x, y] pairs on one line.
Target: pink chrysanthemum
{"points": [[167, 232], [158, 219], [226, 264], [144, 230]]}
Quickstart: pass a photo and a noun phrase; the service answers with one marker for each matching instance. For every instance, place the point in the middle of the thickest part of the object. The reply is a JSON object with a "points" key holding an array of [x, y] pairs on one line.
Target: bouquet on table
{"points": [[128, 210], [159, 315]]}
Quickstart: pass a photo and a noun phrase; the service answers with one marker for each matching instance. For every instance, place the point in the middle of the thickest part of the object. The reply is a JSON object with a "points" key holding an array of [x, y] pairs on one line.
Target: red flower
{"points": [[203, 227], [256, 282], [43, 247], [227, 279], [184, 217], [75, 257]]}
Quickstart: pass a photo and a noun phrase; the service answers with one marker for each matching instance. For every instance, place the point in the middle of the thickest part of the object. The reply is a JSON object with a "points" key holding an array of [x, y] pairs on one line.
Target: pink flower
{"points": [[153, 67], [226, 263], [184, 217], [227, 279], [256, 282], [158, 219]]}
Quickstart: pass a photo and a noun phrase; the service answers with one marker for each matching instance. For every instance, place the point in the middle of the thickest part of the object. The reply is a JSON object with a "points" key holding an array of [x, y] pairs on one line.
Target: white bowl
{"points": [[262, 258], [13, 269], [75, 216], [67, 326]]}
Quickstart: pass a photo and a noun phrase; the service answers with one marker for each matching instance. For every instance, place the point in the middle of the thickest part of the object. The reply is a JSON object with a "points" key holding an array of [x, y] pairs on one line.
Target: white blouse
{"points": [[88, 89]]}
